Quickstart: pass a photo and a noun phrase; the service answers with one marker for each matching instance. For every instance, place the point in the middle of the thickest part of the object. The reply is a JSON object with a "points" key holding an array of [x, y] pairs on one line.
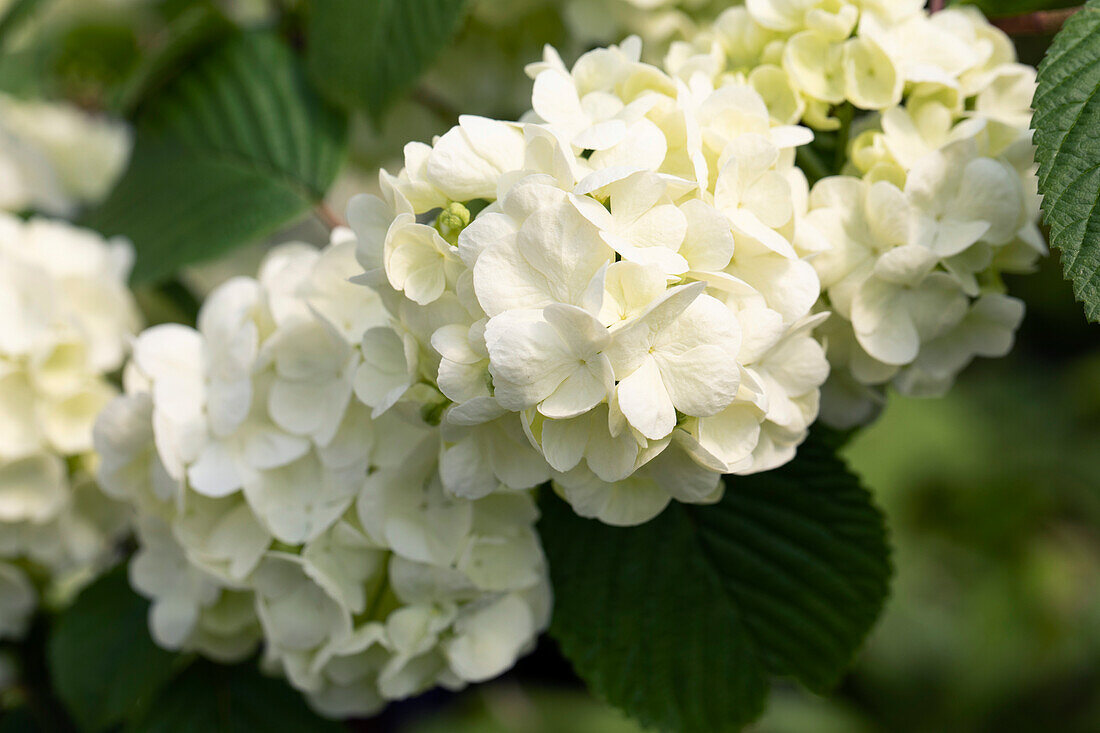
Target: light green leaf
{"points": [[233, 149], [105, 667], [1067, 117], [208, 697], [17, 12], [683, 621], [367, 54]]}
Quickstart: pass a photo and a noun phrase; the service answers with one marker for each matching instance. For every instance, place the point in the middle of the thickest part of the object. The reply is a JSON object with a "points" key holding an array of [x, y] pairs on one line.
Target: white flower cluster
{"points": [[605, 294], [939, 193], [55, 158], [274, 507], [65, 316], [809, 57]]}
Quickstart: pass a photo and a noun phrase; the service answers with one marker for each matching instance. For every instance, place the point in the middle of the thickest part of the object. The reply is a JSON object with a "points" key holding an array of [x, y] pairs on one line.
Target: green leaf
{"points": [[1067, 116], [18, 720], [18, 12], [81, 60], [197, 29], [1008, 8], [105, 667], [235, 148], [683, 621], [208, 697], [367, 54]]}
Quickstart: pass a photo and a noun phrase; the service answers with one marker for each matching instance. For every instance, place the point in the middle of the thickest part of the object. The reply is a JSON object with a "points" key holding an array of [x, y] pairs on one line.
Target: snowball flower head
{"points": [[605, 294], [65, 317], [933, 197], [55, 158], [275, 508]]}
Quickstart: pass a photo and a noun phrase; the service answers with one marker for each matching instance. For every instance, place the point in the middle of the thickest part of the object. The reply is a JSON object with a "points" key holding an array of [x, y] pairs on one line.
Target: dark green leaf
{"points": [[1067, 117], [18, 720], [1007, 8], [367, 54], [105, 667], [236, 147], [197, 29], [209, 698], [682, 621]]}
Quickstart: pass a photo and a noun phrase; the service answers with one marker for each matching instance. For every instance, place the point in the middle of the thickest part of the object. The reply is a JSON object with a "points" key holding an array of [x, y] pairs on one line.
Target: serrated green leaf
{"points": [[236, 147], [105, 667], [367, 54], [1067, 116], [683, 621], [208, 697]]}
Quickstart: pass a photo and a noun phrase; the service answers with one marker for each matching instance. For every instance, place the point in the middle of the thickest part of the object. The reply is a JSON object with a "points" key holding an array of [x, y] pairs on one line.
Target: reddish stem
{"points": [[936, 6], [1040, 23], [328, 217]]}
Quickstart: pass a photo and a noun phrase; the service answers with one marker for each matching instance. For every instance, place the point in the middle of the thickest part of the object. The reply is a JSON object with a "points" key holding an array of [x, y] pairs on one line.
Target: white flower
{"points": [[480, 458], [680, 355], [538, 251], [468, 160], [65, 317], [961, 198], [592, 301], [910, 255], [55, 157], [943, 207], [553, 359], [988, 329], [287, 494], [190, 609], [891, 319]]}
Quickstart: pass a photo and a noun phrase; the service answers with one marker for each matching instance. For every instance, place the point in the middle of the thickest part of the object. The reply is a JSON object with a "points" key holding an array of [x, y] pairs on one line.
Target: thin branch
{"points": [[328, 217], [1039, 23], [436, 104]]}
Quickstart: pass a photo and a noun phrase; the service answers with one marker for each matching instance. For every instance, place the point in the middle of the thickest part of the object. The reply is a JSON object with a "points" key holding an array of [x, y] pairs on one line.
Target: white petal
{"points": [[646, 403], [215, 473]]}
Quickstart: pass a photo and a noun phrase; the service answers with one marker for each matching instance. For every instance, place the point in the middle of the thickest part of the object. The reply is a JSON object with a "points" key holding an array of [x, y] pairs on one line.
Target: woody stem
{"points": [[1039, 23]]}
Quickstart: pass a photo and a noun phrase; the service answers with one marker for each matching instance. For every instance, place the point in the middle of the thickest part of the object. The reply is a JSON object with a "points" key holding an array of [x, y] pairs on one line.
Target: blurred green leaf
{"points": [[1006, 8], [683, 620], [18, 12], [208, 697], [367, 54], [105, 667], [89, 59], [509, 708], [1067, 116], [81, 60], [196, 30], [19, 720], [236, 147], [24, 73]]}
